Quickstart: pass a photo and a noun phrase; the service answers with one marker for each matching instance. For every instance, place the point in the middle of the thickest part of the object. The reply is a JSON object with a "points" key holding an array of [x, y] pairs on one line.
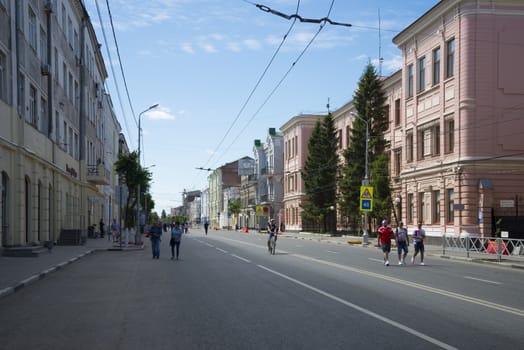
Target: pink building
{"points": [[297, 132], [459, 141]]}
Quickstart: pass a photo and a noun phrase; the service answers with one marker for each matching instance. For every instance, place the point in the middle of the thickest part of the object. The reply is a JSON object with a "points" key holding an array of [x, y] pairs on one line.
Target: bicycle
{"points": [[272, 244]]}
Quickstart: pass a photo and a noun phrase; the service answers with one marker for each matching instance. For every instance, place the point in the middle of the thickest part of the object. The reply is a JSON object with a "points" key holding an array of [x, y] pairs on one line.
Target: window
{"points": [[64, 137], [421, 74], [451, 204], [436, 206], [32, 28], [43, 115], [450, 135], [409, 81], [421, 207], [64, 76], [70, 88], [386, 115], [70, 31], [55, 65], [43, 46], [64, 18], [397, 112], [409, 147], [411, 207], [397, 158], [21, 95], [70, 141], [3, 77], [20, 14], [436, 66], [450, 58], [428, 141], [32, 105]]}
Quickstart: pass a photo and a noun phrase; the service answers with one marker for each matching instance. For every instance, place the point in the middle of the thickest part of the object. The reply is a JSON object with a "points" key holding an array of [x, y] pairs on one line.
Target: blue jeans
{"points": [[155, 245]]}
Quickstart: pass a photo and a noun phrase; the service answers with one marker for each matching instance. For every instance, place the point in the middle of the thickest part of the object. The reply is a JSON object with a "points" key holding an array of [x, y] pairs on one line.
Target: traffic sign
{"points": [[366, 198]]}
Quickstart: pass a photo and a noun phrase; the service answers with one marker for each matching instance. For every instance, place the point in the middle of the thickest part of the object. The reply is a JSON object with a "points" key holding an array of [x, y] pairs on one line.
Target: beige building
{"points": [[52, 154]]}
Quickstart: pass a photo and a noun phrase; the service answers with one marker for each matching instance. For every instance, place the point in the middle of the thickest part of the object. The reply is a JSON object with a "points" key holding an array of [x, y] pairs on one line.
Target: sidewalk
{"points": [[18, 272], [430, 250]]}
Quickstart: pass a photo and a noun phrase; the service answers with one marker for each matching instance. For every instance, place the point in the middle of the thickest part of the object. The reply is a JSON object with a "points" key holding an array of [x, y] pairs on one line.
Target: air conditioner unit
{"points": [[44, 68]]}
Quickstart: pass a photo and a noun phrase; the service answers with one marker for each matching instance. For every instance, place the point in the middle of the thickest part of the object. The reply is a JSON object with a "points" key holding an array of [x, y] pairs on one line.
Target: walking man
{"points": [[176, 238], [155, 233], [206, 227], [385, 234], [401, 237], [115, 230], [418, 242]]}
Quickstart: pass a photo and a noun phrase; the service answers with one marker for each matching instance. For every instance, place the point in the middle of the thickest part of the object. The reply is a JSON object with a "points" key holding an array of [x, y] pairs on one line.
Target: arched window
{"points": [[39, 209]]}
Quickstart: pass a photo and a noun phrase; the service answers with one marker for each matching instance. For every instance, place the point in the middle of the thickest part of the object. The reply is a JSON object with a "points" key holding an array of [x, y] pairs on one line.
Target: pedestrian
{"points": [[176, 238], [186, 227], [272, 230], [155, 233], [385, 234], [401, 237], [115, 230], [206, 227], [101, 225], [418, 243]]}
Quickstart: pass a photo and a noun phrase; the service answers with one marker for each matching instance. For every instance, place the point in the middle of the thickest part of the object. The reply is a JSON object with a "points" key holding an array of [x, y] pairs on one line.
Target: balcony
{"points": [[98, 174]]}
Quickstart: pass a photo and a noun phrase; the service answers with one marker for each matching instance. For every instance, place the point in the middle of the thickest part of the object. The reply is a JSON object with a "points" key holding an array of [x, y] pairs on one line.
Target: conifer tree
{"points": [[369, 100], [320, 175]]}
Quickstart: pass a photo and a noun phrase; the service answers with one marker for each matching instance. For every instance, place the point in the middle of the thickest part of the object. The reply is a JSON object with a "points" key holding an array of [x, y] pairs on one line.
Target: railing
{"points": [[98, 174], [484, 247]]}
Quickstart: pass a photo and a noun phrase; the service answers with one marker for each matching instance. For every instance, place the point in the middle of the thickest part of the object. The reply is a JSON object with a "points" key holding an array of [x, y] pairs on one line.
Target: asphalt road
{"points": [[227, 292]]}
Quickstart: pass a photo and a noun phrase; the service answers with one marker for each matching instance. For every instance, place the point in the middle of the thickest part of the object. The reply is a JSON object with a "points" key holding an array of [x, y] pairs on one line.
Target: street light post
{"points": [[365, 182], [138, 237]]}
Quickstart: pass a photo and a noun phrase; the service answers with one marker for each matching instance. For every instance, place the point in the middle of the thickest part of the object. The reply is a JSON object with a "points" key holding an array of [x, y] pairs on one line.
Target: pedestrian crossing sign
{"points": [[366, 198]]}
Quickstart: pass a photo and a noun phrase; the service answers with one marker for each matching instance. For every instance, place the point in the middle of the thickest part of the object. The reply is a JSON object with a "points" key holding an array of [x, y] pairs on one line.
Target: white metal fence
{"points": [[489, 248]]}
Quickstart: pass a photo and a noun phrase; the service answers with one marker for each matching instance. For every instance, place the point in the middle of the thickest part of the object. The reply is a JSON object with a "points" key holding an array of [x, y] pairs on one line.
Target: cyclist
{"points": [[272, 230]]}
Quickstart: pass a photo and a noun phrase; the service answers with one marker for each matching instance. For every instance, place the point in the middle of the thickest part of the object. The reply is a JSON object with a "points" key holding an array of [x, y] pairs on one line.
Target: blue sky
{"points": [[200, 60]]}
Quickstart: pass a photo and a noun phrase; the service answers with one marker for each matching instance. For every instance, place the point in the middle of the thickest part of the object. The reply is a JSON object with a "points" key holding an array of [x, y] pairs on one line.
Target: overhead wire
{"points": [[126, 124], [322, 24], [257, 84]]}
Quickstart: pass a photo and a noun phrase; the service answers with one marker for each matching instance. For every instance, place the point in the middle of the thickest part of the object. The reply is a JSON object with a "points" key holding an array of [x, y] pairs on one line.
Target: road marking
{"points": [[363, 310], [221, 250], [378, 260], [209, 245], [332, 252], [241, 258], [481, 302], [482, 280]]}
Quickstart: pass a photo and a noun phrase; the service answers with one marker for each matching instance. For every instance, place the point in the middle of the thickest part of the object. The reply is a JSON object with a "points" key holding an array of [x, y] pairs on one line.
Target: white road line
{"points": [[241, 258], [221, 250], [477, 301], [482, 280], [378, 260], [332, 252], [210, 245], [363, 310]]}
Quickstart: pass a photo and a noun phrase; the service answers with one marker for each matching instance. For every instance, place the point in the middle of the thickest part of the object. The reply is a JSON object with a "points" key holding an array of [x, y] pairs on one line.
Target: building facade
{"points": [[462, 155], [52, 159]]}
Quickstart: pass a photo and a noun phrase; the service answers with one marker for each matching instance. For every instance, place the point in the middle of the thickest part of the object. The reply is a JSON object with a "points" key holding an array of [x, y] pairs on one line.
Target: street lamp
{"points": [[365, 182], [138, 238]]}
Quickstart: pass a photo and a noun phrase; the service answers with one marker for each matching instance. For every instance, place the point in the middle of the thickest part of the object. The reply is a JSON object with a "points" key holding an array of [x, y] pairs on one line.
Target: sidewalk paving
{"points": [[18, 272]]}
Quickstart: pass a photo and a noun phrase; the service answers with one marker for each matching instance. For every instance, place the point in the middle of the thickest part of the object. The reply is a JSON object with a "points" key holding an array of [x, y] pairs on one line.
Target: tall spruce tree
{"points": [[320, 175], [369, 101]]}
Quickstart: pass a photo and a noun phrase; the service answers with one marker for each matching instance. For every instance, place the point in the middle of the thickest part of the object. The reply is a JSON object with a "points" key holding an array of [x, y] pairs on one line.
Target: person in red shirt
{"points": [[385, 234]]}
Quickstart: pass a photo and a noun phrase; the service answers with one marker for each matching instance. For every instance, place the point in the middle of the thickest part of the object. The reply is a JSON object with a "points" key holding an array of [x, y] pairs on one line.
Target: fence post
{"points": [[499, 249], [444, 245], [467, 246]]}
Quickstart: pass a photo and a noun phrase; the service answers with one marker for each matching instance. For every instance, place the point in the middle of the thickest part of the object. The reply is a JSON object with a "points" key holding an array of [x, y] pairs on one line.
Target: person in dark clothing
{"points": [[206, 227], [102, 227]]}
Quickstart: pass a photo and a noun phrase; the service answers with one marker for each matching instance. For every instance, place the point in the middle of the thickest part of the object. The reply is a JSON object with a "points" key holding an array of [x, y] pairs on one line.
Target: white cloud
{"points": [[252, 44], [209, 48], [188, 48], [233, 46], [160, 113]]}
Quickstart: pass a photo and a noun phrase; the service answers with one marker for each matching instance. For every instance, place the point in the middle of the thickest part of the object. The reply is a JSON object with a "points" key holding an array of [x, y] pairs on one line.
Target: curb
{"points": [[32, 279]]}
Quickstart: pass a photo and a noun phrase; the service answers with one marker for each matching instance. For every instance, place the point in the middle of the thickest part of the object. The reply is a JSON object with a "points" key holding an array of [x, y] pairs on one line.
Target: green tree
{"points": [[134, 176], [320, 175], [234, 207], [163, 215], [369, 101]]}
